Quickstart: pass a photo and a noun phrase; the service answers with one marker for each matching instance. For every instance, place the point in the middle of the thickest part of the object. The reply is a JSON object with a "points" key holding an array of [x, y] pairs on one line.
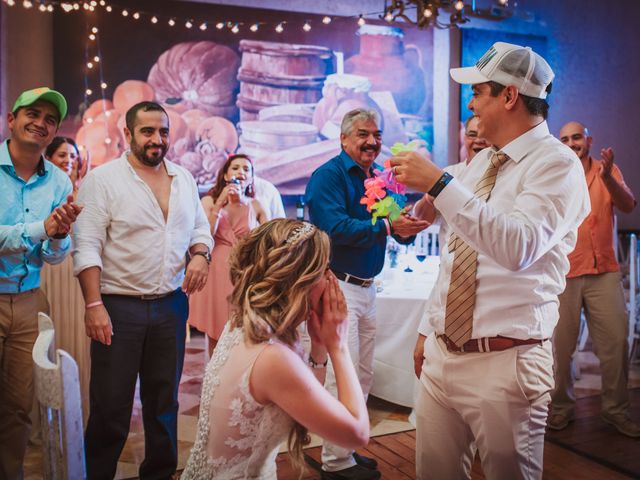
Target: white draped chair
{"points": [[634, 314], [58, 393]]}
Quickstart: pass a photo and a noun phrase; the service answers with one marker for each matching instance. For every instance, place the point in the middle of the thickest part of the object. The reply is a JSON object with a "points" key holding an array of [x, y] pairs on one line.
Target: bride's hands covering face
{"points": [[328, 326]]}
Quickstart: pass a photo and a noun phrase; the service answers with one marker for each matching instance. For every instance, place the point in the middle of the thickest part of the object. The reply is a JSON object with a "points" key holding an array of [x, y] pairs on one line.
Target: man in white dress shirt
{"points": [[510, 219], [142, 217], [269, 197]]}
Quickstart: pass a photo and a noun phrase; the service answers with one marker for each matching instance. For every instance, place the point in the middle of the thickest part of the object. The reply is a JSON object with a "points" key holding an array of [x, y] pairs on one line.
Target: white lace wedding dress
{"points": [[237, 437]]}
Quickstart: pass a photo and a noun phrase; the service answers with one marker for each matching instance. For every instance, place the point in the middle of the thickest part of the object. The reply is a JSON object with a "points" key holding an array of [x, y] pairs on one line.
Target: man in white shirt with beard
{"points": [[141, 221]]}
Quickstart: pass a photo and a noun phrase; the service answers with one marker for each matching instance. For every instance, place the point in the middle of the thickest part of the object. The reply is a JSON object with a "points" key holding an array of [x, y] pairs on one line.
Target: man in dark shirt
{"points": [[357, 255]]}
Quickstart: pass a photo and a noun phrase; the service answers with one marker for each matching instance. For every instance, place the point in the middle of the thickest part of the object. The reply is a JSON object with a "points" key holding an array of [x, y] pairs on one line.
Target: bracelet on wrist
{"points": [[93, 304], [314, 364]]}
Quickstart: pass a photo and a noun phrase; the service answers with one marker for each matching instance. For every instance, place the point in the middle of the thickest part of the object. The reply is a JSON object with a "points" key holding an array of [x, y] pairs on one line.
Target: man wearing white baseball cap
{"points": [[510, 218]]}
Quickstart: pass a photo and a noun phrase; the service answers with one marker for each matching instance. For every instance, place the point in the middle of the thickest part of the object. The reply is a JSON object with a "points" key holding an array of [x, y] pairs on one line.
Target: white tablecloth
{"points": [[400, 306]]}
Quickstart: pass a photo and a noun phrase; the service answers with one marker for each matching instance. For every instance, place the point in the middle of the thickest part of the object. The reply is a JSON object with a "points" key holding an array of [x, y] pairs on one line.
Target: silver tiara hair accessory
{"points": [[300, 233]]}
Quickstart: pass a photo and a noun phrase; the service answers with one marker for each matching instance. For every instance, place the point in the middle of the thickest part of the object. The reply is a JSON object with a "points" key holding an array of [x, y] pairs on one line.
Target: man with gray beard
{"points": [[142, 217]]}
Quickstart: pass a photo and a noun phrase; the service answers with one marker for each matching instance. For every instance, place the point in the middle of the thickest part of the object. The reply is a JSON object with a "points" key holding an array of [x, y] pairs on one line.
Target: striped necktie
{"points": [[461, 297]]}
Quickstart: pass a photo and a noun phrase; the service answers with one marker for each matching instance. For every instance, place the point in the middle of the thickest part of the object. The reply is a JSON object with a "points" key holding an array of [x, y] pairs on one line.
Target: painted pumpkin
{"points": [[199, 75], [130, 92]]}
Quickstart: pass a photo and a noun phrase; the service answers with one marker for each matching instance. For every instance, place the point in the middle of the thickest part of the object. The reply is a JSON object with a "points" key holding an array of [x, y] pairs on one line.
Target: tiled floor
{"points": [[385, 417]]}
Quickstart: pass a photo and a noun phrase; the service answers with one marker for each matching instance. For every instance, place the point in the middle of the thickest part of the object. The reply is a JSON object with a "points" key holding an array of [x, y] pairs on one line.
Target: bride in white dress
{"points": [[258, 388]]}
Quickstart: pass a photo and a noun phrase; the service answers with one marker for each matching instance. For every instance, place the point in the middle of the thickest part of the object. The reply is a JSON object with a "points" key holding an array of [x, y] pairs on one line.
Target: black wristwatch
{"points": [[442, 182], [205, 254]]}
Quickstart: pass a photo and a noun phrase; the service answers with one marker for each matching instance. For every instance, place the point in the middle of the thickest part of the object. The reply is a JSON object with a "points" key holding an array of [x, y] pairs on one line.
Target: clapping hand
{"points": [[607, 163], [58, 223]]}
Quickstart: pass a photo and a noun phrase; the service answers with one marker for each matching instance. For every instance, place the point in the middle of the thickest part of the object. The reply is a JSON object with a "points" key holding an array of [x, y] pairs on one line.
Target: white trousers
{"points": [[498, 399], [361, 303]]}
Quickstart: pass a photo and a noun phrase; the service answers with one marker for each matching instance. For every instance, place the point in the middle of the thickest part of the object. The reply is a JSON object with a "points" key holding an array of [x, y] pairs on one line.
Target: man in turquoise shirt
{"points": [[36, 214]]}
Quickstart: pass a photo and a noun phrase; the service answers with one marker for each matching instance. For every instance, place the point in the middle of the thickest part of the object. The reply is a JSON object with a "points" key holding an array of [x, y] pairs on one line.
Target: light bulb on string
{"points": [[85, 5], [203, 26], [188, 24], [154, 19], [326, 20], [279, 28], [109, 8], [220, 25], [125, 13], [235, 28], [92, 37], [361, 21], [94, 30], [67, 7], [96, 59], [11, 3], [27, 4], [459, 5], [102, 3], [306, 27], [171, 22], [89, 65], [428, 13], [103, 85], [93, 3], [254, 27], [88, 91], [49, 8], [76, 6], [136, 15], [389, 17]]}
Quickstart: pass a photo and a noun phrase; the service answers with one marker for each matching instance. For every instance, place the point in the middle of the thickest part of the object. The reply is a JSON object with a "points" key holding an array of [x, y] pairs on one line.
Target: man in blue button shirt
{"points": [[36, 214], [358, 250]]}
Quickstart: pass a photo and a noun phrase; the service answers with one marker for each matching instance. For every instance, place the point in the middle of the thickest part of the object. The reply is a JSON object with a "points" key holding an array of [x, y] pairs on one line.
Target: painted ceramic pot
{"points": [[390, 65]]}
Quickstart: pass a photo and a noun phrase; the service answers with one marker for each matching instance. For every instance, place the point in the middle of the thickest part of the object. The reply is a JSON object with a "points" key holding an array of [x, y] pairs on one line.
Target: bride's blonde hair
{"points": [[272, 271]]}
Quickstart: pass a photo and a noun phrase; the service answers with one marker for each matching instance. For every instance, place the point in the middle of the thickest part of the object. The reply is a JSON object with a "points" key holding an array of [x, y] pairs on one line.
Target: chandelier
{"points": [[442, 13]]}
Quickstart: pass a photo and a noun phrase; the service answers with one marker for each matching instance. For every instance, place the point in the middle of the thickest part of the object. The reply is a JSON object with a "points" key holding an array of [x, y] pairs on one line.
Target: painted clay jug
{"points": [[390, 66]]}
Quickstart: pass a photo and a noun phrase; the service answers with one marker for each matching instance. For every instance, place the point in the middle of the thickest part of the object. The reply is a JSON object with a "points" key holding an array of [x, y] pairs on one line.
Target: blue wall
{"points": [[475, 42]]}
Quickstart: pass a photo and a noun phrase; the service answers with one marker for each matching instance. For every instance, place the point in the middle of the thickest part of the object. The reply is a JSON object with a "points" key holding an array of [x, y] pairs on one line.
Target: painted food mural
{"points": [[281, 103]]}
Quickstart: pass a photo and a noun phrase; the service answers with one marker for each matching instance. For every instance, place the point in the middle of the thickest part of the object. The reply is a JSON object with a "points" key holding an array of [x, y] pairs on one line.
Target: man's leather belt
{"points": [[155, 296], [152, 296], [489, 344], [361, 282]]}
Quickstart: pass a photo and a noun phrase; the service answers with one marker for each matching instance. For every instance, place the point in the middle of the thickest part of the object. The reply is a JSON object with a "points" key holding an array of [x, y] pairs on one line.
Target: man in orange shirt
{"points": [[593, 282]]}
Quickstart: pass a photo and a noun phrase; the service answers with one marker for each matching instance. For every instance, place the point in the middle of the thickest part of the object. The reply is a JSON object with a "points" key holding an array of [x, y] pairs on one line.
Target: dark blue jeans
{"points": [[148, 340]]}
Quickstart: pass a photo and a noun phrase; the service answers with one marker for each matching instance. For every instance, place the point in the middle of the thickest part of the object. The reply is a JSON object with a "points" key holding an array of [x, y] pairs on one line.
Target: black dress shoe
{"points": [[366, 462], [357, 472]]}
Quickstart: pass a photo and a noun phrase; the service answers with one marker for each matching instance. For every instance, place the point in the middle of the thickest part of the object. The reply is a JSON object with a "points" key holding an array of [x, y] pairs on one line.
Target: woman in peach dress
{"points": [[61, 287], [232, 212]]}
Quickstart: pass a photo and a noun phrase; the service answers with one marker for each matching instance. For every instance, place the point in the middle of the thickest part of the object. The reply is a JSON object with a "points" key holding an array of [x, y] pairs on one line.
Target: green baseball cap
{"points": [[29, 97]]}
